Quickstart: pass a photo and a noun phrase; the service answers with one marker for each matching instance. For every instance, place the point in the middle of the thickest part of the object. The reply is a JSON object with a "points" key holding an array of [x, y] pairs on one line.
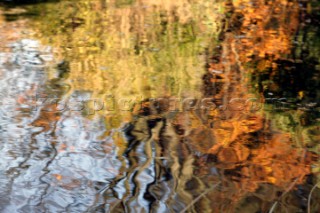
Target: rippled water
{"points": [[159, 106]]}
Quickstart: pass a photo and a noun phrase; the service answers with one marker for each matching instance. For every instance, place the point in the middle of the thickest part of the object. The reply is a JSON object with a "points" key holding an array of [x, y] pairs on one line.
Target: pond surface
{"points": [[159, 106]]}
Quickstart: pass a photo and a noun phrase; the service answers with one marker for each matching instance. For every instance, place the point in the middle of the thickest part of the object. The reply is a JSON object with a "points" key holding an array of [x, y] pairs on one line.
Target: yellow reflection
{"points": [[133, 50]]}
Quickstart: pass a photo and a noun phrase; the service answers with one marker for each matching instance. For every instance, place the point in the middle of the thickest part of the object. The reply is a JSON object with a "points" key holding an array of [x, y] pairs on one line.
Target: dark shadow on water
{"points": [[26, 6], [14, 3]]}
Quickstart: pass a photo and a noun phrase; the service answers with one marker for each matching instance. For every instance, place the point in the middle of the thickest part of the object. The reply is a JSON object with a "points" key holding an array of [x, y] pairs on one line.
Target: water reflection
{"points": [[146, 157]]}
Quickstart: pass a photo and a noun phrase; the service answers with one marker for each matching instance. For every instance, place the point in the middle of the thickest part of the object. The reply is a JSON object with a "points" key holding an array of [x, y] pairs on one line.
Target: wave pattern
{"points": [[149, 158]]}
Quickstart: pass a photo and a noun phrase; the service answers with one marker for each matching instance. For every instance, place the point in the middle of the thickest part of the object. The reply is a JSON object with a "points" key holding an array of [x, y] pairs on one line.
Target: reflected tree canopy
{"points": [[141, 140]]}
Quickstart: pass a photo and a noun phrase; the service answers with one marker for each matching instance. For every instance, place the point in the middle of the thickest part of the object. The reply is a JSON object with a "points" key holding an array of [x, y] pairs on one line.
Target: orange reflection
{"points": [[242, 145]]}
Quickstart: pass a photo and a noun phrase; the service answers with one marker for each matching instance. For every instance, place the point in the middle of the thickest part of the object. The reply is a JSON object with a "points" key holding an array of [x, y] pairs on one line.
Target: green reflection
{"points": [[128, 49]]}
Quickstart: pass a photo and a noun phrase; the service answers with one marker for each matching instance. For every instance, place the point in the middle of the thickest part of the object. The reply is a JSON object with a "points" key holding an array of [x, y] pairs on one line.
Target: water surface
{"points": [[159, 106]]}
